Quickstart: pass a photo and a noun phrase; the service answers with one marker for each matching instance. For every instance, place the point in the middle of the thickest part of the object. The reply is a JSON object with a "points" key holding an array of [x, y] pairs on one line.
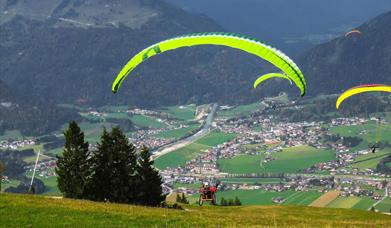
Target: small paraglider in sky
{"points": [[352, 32]]}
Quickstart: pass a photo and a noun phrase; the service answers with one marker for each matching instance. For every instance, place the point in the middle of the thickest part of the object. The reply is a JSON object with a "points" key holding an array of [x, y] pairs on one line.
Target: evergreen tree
{"points": [[223, 202], [231, 202], [151, 192], [73, 167], [114, 164], [2, 170], [237, 202]]}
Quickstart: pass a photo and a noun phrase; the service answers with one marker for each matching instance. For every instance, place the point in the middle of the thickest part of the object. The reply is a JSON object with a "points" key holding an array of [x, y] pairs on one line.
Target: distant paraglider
{"points": [[362, 89], [354, 31], [244, 43], [269, 76]]}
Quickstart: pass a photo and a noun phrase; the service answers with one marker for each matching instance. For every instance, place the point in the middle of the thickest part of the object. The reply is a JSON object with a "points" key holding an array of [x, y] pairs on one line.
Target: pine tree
{"points": [[237, 202], [73, 167], [114, 163], [230, 202], [2, 170], [151, 192], [178, 198], [223, 202]]}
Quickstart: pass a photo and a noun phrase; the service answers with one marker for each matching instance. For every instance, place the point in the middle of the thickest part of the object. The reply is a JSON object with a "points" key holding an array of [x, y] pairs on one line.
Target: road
{"points": [[186, 141]]}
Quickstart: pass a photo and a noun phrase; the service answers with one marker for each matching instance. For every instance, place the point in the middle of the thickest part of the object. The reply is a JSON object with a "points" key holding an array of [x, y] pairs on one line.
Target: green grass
{"points": [[302, 198], [371, 160], [178, 133], [375, 132], [185, 113], [385, 205], [10, 183], [215, 138], [344, 202], [364, 203], [38, 211], [290, 160], [239, 110], [50, 183], [243, 180], [146, 121], [11, 134], [181, 156], [261, 197], [189, 186]]}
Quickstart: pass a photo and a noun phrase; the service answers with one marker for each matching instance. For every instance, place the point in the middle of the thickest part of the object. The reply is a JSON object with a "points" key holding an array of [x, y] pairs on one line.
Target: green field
{"points": [[290, 160], [188, 186], [50, 183], [243, 180], [344, 202], [178, 133], [374, 132], [239, 110], [261, 197], [10, 183], [371, 160], [146, 121], [181, 156], [185, 113], [39, 211], [385, 205], [364, 203]]}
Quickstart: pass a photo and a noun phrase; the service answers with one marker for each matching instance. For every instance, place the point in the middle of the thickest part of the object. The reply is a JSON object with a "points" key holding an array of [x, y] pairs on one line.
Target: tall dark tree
{"points": [[114, 163], [2, 170], [73, 166], [151, 192]]}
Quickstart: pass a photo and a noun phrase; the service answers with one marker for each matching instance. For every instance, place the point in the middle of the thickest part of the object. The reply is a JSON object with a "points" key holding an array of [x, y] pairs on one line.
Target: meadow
{"points": [[39, 211], [181, 156], [178, 133], [239, 110], [290, 160]]}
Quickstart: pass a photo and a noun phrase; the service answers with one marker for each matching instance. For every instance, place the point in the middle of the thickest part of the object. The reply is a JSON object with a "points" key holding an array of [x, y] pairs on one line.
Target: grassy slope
{"points": [[289, 160], [37, 211]]}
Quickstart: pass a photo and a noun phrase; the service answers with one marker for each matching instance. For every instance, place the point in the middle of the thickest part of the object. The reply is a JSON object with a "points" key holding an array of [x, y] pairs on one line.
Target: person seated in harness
{"points": [[206, 190]]}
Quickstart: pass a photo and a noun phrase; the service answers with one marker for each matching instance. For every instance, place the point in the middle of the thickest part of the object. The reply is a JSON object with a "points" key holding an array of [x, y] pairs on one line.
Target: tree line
{"points": [[114, 172]]}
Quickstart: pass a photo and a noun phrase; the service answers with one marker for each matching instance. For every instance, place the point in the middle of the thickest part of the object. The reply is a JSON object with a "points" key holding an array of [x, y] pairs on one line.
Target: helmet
{"points": [[206, 184]]}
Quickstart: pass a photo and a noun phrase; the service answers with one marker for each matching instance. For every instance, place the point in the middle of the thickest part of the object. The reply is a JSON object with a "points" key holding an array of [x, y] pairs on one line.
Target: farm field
{"points": [[181, 156], [243, 180], [370, 160], [325, 199], [385, 205], [374, 132], [344, 202], [146, 121], [261, 197], [39, 211], [182, 113], [290, 160], [239, 110], [9, 183], [178, 133]]}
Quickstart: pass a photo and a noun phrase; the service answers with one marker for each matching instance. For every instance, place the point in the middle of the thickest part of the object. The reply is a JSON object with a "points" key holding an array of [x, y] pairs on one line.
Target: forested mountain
{"points": [[73, 50], [353, 60], [28, 116]]}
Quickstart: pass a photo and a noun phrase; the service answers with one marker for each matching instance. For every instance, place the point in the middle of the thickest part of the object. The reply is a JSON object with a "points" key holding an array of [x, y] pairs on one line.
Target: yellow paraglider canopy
{"points": [[362, 89]]}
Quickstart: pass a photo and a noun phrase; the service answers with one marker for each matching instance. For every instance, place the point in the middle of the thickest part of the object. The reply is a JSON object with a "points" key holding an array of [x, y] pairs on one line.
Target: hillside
{"points": [[38, 211], [61, 51], [350, 61], [30, 117]]}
